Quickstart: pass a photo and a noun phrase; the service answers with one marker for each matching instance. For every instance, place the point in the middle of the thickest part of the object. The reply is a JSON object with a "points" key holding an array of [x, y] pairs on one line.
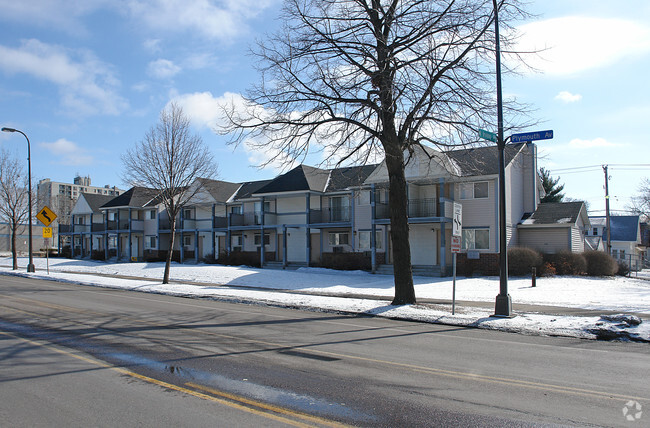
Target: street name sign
{"points": [[531, 136], [46, 216], [487, 135]]}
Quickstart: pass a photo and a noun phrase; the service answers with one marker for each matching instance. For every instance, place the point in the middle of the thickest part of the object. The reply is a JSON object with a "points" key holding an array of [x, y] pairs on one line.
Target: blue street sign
{"points": [[531, 136]]}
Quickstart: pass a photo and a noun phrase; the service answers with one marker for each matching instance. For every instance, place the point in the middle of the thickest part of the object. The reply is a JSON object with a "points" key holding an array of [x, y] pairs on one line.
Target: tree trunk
{"points": [[399, 228], [168, 261], [14, 252]]}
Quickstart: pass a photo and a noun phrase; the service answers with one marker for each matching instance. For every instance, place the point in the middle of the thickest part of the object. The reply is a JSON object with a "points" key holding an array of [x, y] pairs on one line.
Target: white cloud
{"points": [[87, 85], [68, 152], [152, 45], [64, 15], [203, 109], [578, 143], [568, 97], [221, 20], [163, 69], [573, 44]]}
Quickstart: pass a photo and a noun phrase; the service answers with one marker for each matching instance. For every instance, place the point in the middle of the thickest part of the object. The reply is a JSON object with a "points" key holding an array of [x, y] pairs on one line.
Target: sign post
{"points": [[456, 239], [46, 216], [47, 234]]}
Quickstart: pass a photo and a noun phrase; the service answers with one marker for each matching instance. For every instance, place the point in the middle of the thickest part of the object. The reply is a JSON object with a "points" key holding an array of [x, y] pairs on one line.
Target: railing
{"points": [[423, 208], [252, 218], [65, 228], [330, 215], [220, 222], [417, 208], [98, 227]]}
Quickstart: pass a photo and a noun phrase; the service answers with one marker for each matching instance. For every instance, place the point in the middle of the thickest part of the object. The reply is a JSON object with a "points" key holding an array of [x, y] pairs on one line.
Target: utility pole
{"points": [[608, 247]]}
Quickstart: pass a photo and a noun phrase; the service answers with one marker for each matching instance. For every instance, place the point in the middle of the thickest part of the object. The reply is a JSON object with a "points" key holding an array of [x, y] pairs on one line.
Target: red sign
{"points": [[455, 244]]}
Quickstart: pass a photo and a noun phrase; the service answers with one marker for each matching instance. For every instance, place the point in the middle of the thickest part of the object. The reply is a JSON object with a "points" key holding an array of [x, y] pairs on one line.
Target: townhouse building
{"points": [[309, 216]]}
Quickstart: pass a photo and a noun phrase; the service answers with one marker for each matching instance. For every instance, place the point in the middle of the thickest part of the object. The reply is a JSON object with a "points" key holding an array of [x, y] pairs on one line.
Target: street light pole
{"points": [[30, 266], [503, 304]]}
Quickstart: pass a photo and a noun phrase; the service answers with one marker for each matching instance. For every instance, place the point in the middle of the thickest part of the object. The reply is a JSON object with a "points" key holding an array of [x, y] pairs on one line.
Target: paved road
{"points": [[73, 354]]}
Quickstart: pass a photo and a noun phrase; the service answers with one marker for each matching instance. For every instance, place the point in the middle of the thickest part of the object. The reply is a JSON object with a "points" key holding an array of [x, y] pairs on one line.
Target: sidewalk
{"points": [[362, 293]]}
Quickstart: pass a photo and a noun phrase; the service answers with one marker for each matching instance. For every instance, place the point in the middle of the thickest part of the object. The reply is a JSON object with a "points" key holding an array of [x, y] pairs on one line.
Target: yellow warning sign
{"points": [[46, 216], [47, 232]]}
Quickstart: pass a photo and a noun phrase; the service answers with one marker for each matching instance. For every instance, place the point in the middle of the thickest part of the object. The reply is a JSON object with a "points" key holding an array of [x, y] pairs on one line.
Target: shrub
{"points": [[567, 262], [547, 269], [600, 263], [346, 261], [98, 255], [522, 260], [66, 252], [623, 268], [240, 258]]}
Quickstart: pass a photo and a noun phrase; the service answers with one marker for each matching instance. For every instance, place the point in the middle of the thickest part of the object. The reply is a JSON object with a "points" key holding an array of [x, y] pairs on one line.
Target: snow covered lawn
{"points": [[325, 288]]}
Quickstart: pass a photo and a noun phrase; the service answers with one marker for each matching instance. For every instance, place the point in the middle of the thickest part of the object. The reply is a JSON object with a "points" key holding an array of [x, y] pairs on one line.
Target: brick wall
{"points": [[486, 264]]}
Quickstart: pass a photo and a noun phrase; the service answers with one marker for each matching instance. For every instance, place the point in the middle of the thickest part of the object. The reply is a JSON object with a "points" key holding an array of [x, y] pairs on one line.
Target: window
{"points": [[236, 241], [595, 231], [150, 242], [188, 214], [622, 254], [339, 238], [187, 240], [267, 239], [478, 190], [236, 209], [615, 254], [152, 214], [267, 207], [476, 239], [364, 240]]}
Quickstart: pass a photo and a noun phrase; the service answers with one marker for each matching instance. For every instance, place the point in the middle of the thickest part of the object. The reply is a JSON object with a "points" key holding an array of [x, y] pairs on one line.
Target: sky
{"points": [[85, 80]]}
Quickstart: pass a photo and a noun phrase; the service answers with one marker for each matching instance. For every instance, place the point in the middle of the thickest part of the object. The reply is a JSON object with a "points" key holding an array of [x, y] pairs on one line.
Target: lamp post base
{"points": [[31, 268], [503, 307]]}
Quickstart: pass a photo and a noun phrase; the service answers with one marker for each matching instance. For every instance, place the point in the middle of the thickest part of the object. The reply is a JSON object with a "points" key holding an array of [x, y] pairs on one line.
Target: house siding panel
{"points": [[545, 240]]}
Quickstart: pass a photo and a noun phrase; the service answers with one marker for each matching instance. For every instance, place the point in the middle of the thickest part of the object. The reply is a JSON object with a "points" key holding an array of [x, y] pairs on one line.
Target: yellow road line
{"points": [[421, 369], [233, 401]]}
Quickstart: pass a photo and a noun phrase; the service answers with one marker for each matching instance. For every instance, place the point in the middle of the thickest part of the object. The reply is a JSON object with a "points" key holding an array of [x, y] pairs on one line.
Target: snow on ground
{"points": [[326, 290]]}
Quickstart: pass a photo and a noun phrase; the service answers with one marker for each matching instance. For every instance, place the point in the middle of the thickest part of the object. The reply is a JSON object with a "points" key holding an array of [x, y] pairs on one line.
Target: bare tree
{"points": [[640, 204], [367, 76], [169, 159], [14, 198]]}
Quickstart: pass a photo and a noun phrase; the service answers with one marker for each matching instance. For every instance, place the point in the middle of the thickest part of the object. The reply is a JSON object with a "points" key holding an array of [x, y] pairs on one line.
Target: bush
{"points": [[600, 263], [66, 252], [547, 270], [567, 262], [346, 261], [240, 258], [623, 268], [522, 260], [98, 255]]}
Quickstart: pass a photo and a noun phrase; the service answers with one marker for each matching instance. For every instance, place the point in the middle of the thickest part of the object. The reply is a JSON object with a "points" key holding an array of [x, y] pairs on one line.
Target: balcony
{"points": [[417, 208], [330, 215], [253, 218]]}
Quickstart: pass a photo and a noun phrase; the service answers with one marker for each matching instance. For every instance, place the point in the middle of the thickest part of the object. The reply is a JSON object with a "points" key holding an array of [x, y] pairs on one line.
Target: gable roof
{"points": [[343, 178], [95, 201], [555, 213], [247, 189], [135, 197], [484, 160], [623, 227], [301, 178], [221, 191]]}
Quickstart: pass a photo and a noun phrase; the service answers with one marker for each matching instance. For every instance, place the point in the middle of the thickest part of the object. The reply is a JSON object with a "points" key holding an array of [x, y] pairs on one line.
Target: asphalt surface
{"points": [[354, 370]]}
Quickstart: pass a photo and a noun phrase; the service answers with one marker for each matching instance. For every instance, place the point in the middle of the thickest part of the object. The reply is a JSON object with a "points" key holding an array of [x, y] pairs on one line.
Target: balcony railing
{"points": [[330, 215], [253, 218], [417, 208]]}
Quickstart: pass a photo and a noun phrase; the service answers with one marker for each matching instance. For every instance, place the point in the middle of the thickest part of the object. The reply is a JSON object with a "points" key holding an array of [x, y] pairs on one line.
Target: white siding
{"points": [[545, 240]]}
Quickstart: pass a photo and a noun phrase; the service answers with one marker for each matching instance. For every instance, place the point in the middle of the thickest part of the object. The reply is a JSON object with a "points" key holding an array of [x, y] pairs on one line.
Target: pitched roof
{"points": [[221, 191], [95, 200], [343, 178], [482, 160], [554, 213], [623, 227], [135, 197], [300, 178], [248, 188]]}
